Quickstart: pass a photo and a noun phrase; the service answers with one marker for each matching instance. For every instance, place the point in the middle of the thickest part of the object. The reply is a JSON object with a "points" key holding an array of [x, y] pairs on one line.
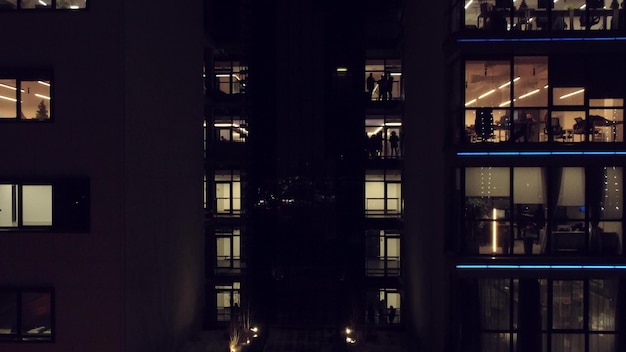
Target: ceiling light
{"points": [[470, 102], [42, 96], [529, 93], [468, 4], [43, 3], [342, 69], [7, 98], [396, 74], [44, 83], [572, 93], [222, 75], [222, 125], [509, 82], [7, 86], [486, 94], [393, 124], [74, 7]]}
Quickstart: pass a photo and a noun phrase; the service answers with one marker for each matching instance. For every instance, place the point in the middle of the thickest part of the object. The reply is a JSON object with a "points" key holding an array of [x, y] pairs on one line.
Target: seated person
{"points": [[525, 129]]}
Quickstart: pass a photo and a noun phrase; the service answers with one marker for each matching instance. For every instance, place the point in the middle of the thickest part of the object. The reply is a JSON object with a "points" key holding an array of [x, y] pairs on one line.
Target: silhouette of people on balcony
{"points": [[394, 142], [382, 88]]}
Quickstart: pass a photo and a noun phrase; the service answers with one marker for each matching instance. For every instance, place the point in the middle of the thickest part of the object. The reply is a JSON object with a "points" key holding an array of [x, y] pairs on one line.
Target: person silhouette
{"points": [[371, 82], [394, 142], [382, 88], [392, 314], [389, 86]]}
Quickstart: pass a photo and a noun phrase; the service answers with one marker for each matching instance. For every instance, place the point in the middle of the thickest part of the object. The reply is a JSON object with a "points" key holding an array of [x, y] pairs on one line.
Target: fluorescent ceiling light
{"points": [[396, 74], [529, 93], [42, 96], [342, 69], [222, 125], [470, 102], [7, 86], [468, 4], [43, 3], [509, 82], [504, 104], [222, 75], [74, 7], [7, 98], [393, 124], [546, 86], [572, 93], [44, 83], [486, 94]]}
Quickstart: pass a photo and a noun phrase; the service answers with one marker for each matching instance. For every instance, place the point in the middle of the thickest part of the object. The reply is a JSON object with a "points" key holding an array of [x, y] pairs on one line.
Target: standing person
{"points": [[382, 312], [394, 142], [389, 86], [392, 314], [382, 88], [370, 85]]}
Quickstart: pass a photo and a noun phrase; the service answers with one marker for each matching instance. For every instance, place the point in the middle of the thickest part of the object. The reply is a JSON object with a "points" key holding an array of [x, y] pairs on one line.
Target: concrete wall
{"points": [[423, 245]]}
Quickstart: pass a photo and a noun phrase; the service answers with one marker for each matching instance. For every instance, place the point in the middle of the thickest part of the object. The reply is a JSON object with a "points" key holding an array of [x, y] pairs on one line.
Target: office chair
{"points": [[556, 129]]}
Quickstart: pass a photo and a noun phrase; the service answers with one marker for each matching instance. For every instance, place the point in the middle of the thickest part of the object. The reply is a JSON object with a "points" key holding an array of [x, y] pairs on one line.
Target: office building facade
{"points": [[536, 111]]}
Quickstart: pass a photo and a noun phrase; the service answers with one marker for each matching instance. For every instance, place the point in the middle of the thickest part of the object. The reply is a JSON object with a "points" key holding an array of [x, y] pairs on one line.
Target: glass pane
{"points": [[529, 125], [568, 96], [568, 342], [602, 304], [607, 124], [567, 308], [8, 98], [223, 252], [529, 201], [36, 313], [8, 313], [531, 87], [495, 297], [602, 342], [37, 205], [71, 4], [35, 100], [605, 209], [487, 210], [223, 198], [496, 342], [8, 5], [36, 4], [569, 230], [9, 204], [487, 83]]}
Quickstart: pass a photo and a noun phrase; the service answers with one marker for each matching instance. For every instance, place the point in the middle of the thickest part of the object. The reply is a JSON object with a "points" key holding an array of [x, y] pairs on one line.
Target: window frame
{"points": [[19, 336], [42, 76]]}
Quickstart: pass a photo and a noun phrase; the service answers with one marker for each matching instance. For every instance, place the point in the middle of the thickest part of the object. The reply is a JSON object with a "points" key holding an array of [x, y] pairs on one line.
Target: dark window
{"points": [[26, 314], [30, 5]]}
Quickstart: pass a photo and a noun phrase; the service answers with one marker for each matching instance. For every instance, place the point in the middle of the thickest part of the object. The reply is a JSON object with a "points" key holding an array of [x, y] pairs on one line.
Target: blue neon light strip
{"points": [[540, 266], [558, 39], [539, 153]]}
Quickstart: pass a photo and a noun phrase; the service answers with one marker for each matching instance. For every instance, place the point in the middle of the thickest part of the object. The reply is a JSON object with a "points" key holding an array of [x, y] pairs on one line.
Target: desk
{"points": [[568, 241]]}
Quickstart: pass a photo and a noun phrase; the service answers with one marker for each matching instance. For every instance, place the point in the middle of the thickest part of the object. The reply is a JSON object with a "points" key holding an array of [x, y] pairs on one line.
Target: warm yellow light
{"points": [[44, 83], [7, 98], [572, 93], [7, 86], [486, 94], [529, 93], [494, 231], [509, 82], [42, 96], [470, 102], [342, 69], [348, 331], [468, 4]]}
